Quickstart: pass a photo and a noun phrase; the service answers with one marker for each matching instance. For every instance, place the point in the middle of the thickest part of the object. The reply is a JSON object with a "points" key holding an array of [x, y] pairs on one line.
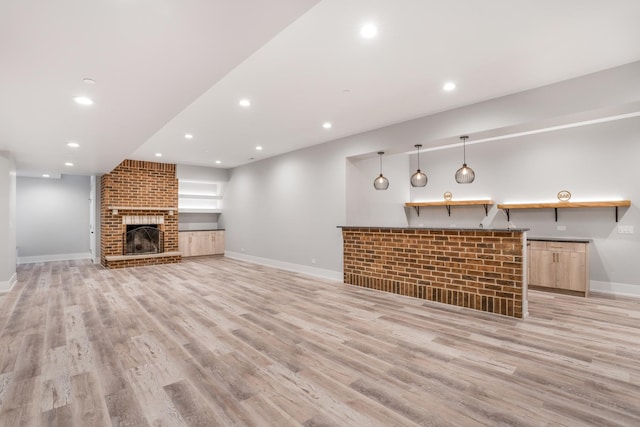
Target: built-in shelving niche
{"points": [[199, 197]]}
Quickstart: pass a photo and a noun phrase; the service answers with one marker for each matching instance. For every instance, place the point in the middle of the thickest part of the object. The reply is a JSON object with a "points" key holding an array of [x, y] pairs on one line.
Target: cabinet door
{"points": [[572, 271], [542, 271], [201, 243], [184, 243], [219, 242]]}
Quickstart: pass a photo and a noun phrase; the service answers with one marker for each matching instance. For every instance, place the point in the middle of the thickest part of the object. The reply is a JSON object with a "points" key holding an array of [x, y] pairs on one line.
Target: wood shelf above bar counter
{"points": [[482, 269], [565, 205], [448, 203]]}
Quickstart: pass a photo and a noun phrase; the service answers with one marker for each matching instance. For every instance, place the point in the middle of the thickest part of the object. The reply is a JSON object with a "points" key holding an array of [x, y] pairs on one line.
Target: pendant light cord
{"points": [[464, 149], [418, 147]]}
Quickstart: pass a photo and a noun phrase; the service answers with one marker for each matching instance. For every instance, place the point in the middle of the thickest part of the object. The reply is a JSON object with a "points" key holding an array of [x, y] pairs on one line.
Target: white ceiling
{"points": [[164, 68]]}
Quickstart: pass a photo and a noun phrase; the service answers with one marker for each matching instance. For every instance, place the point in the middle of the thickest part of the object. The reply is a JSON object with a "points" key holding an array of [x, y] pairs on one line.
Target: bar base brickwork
{"points": [[478, 269]]}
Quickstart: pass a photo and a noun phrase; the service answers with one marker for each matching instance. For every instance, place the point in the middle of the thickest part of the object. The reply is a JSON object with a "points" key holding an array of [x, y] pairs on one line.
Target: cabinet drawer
{"points": [[566, 247], [557, 246], [537, 246]]}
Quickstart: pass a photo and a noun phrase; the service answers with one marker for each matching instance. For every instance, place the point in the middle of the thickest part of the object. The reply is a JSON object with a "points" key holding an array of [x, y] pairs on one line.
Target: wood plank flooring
{"points": [[218, 342]]}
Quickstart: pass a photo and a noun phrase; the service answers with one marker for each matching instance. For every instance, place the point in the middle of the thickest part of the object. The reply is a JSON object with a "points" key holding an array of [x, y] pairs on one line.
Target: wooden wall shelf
{"points": [[448, 203], [564, 205]]}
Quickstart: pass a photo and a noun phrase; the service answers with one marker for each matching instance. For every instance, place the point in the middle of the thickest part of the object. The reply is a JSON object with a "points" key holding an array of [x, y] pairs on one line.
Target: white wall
{"points": [[284, 210], [7, 221], [53, 218]]}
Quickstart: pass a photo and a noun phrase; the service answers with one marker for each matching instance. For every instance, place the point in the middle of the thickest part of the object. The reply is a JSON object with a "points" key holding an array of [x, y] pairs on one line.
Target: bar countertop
{"points": [[559, 239]]}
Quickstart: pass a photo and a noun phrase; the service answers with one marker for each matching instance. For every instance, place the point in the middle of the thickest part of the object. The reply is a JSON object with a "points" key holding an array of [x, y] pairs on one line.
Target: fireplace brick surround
{"points": [[138, 189]]}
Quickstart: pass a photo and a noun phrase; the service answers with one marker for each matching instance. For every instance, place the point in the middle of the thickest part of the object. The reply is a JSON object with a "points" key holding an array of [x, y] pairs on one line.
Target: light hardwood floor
{"points": [[213, 341]]}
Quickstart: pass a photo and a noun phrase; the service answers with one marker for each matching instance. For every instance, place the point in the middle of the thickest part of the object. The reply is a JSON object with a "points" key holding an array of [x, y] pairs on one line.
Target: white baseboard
{"points": [[297, 268], [56, 257], [7, 285], [621, 289]]}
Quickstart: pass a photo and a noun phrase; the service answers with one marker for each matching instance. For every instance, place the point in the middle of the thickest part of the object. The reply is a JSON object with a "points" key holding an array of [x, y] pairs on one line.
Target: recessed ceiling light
{"points": [[368, 31], [158, 154], [449, 86], [73, 144], [218, 162], [88, 81], [45, 175], [327, 125], [83, 100], [188, 136], [259, 147], [68, 164], [245, 103]]}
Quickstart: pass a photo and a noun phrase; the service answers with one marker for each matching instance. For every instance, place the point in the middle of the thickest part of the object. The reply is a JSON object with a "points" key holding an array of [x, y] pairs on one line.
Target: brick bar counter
{"points": [[482, 269]]}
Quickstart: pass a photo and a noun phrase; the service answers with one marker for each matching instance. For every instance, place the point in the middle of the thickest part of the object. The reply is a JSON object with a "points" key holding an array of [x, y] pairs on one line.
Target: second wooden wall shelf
{"points": [[555, 205], [448, 203]]}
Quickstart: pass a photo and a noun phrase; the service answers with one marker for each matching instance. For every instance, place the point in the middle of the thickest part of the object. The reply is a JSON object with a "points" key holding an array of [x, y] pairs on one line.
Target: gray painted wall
{"points": [[7, 220], [286, 208], [368, 206], [52, 216]]}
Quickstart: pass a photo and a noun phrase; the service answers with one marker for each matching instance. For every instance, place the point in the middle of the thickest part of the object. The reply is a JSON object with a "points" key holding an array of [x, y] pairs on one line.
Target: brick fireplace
{"points": [[141, 196]]}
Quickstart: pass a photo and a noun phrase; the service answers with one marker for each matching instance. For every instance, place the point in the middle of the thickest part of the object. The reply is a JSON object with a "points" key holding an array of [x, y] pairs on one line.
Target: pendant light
{"points": [[465, 175], [418, 179], [381, 182]]}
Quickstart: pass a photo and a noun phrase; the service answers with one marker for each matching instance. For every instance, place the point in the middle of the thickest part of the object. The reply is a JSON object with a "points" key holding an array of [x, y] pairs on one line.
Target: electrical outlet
{"points": [[241, 249], [625, 229], [562, 228], [313, 261]]}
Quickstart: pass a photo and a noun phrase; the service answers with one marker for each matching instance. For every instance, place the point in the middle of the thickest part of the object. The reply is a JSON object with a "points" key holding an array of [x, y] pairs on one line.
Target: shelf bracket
{"points": [[507, 212], [417, 208], [616, 214], [448, 209], [486, 209], [556, 212]]}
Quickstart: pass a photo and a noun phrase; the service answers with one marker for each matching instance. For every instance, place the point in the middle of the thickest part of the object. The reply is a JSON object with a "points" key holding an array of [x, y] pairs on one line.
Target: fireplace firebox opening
{"points": [[143, 239]]}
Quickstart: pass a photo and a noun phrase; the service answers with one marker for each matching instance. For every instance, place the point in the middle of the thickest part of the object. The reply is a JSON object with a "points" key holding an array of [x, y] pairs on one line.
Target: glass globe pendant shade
{"points": [[381, 182], [418, 179], [465, 175]]}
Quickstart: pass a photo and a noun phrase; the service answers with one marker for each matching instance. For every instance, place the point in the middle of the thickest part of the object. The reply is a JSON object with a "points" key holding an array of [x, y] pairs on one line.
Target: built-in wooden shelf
{"points": [[563, 205], [448, 203]]}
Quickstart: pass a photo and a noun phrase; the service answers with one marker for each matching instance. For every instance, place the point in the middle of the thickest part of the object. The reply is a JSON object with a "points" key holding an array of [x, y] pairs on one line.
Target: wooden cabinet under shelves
{"points": [[559, 265], [198, 243]]}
